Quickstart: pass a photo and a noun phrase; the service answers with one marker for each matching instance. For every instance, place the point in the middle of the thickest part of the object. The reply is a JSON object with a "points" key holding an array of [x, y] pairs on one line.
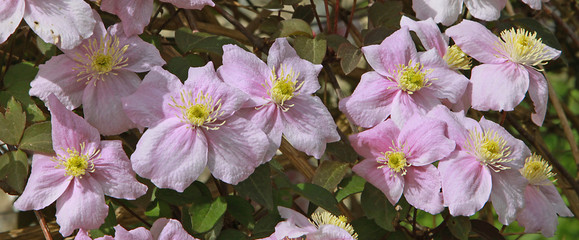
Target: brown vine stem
{"points": [[257, 42], [336, 85], [349, 23], [562, 23], [298, 159], [43, 224], [317, 16]]}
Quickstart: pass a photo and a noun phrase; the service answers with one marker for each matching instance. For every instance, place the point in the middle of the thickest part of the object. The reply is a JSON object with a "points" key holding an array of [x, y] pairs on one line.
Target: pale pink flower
{"points": [[542, 200], [191, 126], [402, 84], [83, 170], [485, 164], [323, 226], [98, 73], [507, 72], [64, 23], [136, 14], [281, 96], [399, 161], [447, 11], [162, 229]]}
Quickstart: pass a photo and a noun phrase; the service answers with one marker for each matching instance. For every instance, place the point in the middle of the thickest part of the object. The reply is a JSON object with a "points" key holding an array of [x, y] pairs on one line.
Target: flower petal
{"points": [[190, 4], [11, 13], [134, 14], [171, 154], [371, 101], [330, 232], [267, 119], [555, 200], [81, 206], [442, 11], [518, 149], [428, 33], [141, 56], [507, 194], [397, 49], [477, 41], [457, 131], [422, 188], [488, 10], [308, 125], [405, 105], [64, 23], [390, 183], [139, 233], [45, 184], [539, 93], [538, 215], [446, 83], [512, 78], [169, 229], [372, 142], [425, 140]]}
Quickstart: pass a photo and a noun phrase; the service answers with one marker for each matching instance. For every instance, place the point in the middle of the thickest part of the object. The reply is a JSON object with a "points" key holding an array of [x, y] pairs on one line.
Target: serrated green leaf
{"points": [[459, 226], [17, 84], [294, 27], [313, 50], [377, 207], [37, 138], [205, 213], [350, 56], [319, 196], [180, 65], [258, 187], [12, 123], [241, 210], [329, 174], [13, 171], [187, 41], [349, 186]]}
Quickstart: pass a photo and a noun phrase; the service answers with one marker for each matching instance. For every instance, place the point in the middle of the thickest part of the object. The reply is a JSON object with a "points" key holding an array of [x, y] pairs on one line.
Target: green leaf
{"points": [[459, 226], [17, 84], [205, 213], [349, 186], [367, 229], [13, 171], [329, 174], [294, 27], [232, 234], [335, 40], [377, 207], [386, 14], [12, 123], [258, 187], [485, 230], [241, 210], [152, 39], [350, 56], [158, 209], [313, 50], [110, 221], [37, 138], [270, 25], [176, 198], [266, 225], [48, 49], [202, 42], [376, 35], [319, 196], [180, 65], [304, 12]]}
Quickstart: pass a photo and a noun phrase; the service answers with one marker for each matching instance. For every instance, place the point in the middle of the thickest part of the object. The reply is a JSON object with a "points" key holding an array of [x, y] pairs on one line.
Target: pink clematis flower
{"points": [[98, 74], [191, 126], [162, 229], [485, 164], [64, 23], [136, 14], [402, 84], [447, 11], [323, 226], [281, 96], [542, 200], [399, 161], [507, 62], [83, 170]]}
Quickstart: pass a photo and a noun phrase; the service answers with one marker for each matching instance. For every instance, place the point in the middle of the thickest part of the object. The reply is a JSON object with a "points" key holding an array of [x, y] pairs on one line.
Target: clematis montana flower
{"points": [[136, 14], [485, 164], [98, 73], [507, 62], [162, 229], [447, 11], [542, 200], [399, 161], [83, 170], [323, 226], [281, 96], [191, 126], [402, 84], [64, 23]]}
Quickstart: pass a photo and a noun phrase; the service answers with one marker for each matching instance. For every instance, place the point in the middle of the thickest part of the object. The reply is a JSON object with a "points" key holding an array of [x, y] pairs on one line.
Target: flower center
{"points": [[523, 47], [489, 148], [457, 59], [102, 57], [199, 111], [395, 159], [76, 164], [411, 77], [537, 170], [324, 218], [284, 87]]}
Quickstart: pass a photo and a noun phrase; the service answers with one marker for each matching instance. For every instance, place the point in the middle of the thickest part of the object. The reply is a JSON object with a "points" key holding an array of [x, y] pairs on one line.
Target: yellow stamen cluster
{"points": [[324, 217], [395, 160], [75, 163], [537, 170], [489, 148], [412, 77], [199, 111], [523, 47], [282, 87], [457, 59], [102, 57]]}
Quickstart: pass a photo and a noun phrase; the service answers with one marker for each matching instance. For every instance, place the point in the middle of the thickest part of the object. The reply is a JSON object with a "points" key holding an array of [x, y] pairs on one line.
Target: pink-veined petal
{"points": [[81, 206], [442, 11], [445, 83], [534, 4], [555, 199], [397, 49], [294, 226], [267, 119], [141, 56], [517, 148], [454, 121], [295, 217], [389, 182], [190, 4], [424, 140], [477, 41], [538, 214], [308, 125], [507, 194], [512, 78], [139, 233], [422, 188], [428, 33], [134, 14], [330, 232], [373, 142], [405, 105], [539, 93], [11, 13], [171, 154], [169, 229], [488, 10]]}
